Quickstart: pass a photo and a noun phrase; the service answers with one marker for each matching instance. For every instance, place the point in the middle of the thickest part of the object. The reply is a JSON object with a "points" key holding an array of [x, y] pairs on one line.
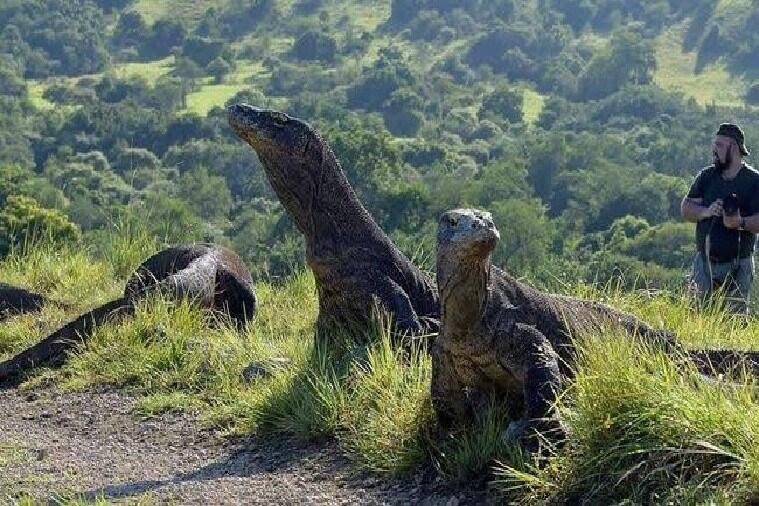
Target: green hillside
{"points": [[579, 124], [677, 72]]}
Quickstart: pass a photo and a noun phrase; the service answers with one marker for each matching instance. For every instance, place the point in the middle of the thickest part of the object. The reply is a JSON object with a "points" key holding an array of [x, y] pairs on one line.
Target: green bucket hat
{"points": [[735, 133]]}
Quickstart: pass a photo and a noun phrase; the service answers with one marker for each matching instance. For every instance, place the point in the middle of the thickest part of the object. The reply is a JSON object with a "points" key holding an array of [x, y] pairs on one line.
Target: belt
{"points": [[716, 260]]}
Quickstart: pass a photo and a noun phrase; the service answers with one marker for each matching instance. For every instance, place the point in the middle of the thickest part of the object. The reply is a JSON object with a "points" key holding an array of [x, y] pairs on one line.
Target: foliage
{"points": [[629, 59], [642, 425], [52, 37], [503, 102], [23, 219], [315, 45]]}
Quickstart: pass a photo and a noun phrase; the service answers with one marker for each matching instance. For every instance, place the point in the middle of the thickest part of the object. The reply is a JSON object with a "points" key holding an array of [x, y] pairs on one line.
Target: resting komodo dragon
{"points": [[499, 336], [15, 300], [355, 264], [212, 276]]}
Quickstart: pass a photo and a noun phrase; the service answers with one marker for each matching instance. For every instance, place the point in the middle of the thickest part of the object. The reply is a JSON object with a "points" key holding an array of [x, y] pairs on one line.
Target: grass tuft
{"points": [[644, 428]]}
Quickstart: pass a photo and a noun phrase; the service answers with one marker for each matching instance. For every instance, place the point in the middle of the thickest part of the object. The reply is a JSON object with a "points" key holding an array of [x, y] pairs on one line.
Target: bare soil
{"points": [[91, 445]]}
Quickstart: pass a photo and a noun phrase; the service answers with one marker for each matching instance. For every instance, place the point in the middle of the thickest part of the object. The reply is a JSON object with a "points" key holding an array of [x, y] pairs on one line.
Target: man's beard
{"points": [[723, 166]]}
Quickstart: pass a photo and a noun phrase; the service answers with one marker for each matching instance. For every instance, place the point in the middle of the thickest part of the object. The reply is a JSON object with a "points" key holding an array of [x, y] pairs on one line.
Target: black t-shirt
{"points": [[725, 244]]}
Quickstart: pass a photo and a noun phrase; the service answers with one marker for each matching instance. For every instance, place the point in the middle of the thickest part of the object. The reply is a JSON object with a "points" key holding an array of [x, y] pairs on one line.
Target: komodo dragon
{"points": [[499, 336], [355, 264], [212, 276], [15, 300]]}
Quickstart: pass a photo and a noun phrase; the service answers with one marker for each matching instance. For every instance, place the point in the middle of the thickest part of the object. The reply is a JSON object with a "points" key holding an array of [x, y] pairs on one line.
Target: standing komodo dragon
{"points": [[15, 300], [499, 336], [355, 264], [212, 276]]}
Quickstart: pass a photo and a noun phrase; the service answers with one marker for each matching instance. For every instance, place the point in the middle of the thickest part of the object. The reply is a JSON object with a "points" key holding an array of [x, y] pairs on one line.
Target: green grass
{"points": [[642, 428], [247, 74], [189, 11], [210, 96], [36, 89], [676, 71], [150, 71], [533, 105]]}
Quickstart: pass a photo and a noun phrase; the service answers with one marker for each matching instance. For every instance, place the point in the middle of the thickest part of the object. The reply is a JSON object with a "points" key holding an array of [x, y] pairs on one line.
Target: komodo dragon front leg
{"points": [[396, 301], [528, 355], [448, 393]]}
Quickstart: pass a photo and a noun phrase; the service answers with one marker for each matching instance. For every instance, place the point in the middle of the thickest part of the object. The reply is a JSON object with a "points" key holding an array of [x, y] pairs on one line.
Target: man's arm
{"points": [[751, 223], [692, 209]]}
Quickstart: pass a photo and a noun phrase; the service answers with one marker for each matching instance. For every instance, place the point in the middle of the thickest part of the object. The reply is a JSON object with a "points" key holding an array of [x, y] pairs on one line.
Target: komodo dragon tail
{"points": [[710, 362], [51, 350]]}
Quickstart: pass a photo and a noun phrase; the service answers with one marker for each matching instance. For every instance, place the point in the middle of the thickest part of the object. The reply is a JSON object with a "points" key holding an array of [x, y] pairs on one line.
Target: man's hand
{"points": [[732, 222], [715, 209]]}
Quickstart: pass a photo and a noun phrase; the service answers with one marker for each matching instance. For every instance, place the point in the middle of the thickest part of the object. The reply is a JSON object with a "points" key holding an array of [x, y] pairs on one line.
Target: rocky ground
{"points": [[91, 445]]}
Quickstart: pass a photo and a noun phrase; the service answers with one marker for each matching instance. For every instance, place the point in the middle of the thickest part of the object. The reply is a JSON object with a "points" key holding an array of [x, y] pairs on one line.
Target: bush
{"points": [[22, 219], [218, 68], [204, 50], [315, 45], [505, 102]]}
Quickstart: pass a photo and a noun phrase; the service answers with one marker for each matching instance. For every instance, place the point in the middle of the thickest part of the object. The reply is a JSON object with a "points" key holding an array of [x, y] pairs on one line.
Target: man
{"points": [[725, 236]]}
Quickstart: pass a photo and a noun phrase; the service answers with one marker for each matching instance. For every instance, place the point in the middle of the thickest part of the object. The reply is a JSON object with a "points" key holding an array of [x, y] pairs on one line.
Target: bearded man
{"points": [[724, 202]]}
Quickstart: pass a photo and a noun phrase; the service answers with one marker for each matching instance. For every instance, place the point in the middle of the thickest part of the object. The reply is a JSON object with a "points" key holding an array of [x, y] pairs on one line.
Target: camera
{"points": [[730, 205]]}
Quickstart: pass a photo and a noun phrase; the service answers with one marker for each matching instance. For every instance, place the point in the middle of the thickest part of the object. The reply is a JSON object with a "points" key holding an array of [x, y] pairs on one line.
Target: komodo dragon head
{"points": [[466, 238], [466, 234], [270, 133], [300, 166]]}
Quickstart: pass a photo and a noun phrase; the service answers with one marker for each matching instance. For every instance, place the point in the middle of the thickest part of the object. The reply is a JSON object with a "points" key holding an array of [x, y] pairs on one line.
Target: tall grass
{"points": [[647, 430], [643, 428]]}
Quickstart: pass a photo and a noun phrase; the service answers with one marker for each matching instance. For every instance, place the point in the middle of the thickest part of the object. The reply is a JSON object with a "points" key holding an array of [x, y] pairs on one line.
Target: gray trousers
{"points": [[734, 279]]}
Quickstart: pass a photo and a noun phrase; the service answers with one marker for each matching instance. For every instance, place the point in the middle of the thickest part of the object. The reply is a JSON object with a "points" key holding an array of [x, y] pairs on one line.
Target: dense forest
{"points": [[561, 117]]}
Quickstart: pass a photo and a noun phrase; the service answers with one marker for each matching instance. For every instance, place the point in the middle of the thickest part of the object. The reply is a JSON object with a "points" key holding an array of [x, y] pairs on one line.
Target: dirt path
{"points": [[91, 445]]}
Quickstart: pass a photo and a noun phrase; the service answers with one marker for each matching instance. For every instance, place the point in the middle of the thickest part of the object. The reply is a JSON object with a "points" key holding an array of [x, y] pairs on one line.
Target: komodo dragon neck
{"points": [[464, 292], [308, 179]]}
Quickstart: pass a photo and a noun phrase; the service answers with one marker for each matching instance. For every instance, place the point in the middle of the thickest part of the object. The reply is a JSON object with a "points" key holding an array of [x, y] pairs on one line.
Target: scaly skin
{"points": [[211, 276], [499, 336], [355, 264]]}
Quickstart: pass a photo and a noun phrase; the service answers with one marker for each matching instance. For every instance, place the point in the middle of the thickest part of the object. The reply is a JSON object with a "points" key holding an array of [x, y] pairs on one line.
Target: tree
{"points": [[204, 50], [388, 74], [218, 68], [315, 45], [206, 194], [401, 113], [130, 30], [504, 102], [10, 82], [22, 218], [54, 36], [752, 94], [164, 36], [526, 235], [629, 59]]}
